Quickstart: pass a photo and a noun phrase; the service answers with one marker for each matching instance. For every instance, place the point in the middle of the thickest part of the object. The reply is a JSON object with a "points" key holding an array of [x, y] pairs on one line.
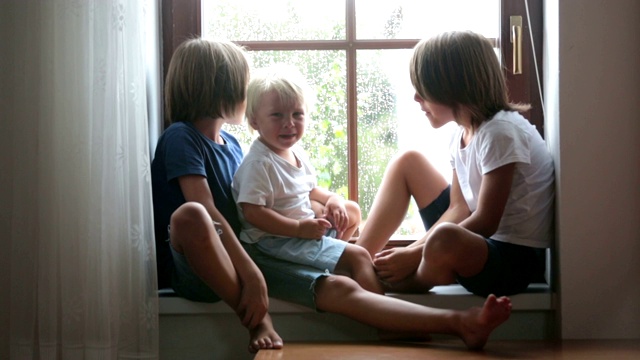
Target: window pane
{"points": [[390, 121], [259, 20], [411, 19], [325, 138]]}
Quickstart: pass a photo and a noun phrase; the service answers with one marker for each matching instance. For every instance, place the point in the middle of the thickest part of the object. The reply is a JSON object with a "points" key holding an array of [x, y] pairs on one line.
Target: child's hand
{"points": [[336, 213], [254, 302], [312, 228], [396, 264]]}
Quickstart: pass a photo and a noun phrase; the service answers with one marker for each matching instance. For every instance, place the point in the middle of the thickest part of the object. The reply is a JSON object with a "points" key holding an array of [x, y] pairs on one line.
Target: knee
{"points": [[360, 255], [354, 212], [442, 241], [353, 258], [409, 158], [333, 290], [189, 214], [407, 162], [190, 224]]}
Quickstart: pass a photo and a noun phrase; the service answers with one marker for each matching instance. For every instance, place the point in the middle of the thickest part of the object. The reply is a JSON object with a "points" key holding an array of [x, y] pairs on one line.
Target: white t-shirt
{"points": [[510, 138], [266, 179]]}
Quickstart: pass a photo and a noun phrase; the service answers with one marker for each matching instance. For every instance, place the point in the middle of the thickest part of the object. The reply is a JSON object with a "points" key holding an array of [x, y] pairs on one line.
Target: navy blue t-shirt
{"points": [[184, 150]]}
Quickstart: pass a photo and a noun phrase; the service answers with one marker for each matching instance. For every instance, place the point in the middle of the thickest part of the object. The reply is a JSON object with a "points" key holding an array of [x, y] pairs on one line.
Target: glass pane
{"points": [[411, 19], [325, 138], [259, 20], [390, 121]]}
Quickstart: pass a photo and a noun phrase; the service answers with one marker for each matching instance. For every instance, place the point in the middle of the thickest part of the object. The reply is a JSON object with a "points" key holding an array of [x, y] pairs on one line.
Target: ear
{"points": [[252, 122]]}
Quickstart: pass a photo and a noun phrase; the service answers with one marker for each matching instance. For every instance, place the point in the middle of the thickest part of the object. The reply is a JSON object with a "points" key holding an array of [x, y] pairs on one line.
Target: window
{"points": [[355, 55]]}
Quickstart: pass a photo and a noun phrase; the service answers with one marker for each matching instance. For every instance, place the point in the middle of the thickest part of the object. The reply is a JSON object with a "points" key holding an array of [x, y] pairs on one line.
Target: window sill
{"points": [[536, 297], [395, 241]]}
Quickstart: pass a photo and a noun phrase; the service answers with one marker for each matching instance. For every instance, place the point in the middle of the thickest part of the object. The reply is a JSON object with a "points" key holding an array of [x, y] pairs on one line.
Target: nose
{"points": [[417, 97], [288, 121]]}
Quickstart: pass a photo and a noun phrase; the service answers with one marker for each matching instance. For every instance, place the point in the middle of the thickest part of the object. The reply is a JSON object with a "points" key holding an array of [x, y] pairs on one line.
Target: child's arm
{"points": [[492, 200], [272, 222]]}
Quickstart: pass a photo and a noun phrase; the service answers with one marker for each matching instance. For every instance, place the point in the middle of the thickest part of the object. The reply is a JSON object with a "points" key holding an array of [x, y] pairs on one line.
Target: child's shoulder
{"points": [[258, 155], [506, 130], [505, 121], [177, 129], [229, 137], [175, 134]]}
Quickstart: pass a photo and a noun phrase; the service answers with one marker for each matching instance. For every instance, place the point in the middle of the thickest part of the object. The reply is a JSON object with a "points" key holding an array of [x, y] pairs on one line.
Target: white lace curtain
{"points": [[82, 282]]}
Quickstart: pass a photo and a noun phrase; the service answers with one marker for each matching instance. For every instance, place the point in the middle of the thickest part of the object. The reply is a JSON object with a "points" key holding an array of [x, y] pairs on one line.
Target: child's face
{"points": [[280, 125], [438, 114]]}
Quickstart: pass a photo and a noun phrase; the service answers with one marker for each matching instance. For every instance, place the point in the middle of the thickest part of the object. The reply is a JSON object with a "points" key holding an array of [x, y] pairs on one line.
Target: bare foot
{"points": [[478, 323], [264, 336]]}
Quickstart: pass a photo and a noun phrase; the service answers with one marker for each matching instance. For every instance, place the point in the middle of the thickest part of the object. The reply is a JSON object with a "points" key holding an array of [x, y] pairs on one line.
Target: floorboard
{"points": [[451, 349]]}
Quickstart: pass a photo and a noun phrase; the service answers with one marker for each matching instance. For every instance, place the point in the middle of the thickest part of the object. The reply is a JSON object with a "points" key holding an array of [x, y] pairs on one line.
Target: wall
{"points": [[5, 166], [592, 87]]}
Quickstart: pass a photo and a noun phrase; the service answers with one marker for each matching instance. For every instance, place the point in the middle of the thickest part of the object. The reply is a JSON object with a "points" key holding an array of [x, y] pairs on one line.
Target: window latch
{"points": [[515, 22]]}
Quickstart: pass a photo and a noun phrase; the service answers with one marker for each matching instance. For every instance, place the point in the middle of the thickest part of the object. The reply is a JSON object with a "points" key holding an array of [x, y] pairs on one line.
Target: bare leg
{"points": [[356, 263], [451, 250], [193, 234], [341, 295], [409, 175]]}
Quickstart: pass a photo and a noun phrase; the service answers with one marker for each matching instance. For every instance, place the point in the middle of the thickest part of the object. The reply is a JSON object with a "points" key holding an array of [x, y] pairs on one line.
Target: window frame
{"points": [[181, 19]]}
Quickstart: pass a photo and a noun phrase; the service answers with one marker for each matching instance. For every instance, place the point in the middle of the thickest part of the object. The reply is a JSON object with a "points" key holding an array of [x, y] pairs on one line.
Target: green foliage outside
{"points": [[325, 140]]}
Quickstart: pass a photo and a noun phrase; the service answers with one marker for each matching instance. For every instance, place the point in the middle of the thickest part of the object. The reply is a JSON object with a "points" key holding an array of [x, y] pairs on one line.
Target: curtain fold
{"points": [[82, 264]]}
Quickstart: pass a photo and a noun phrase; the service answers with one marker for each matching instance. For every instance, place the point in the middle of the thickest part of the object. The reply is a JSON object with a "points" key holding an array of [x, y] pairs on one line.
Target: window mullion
{"points": [[352, 97]]}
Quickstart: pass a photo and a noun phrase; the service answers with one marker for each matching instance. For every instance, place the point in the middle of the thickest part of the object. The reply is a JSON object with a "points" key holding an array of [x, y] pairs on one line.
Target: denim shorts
{"points": [[286, 280], [509, 269], [322, 254], [186, 283]]}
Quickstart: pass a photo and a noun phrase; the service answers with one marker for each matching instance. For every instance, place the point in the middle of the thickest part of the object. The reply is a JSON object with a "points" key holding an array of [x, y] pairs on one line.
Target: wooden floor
{"points": [[450, 349]]}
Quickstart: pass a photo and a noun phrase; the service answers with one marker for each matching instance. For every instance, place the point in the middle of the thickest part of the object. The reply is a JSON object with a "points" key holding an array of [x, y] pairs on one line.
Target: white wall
{"points": [[592, 88]]}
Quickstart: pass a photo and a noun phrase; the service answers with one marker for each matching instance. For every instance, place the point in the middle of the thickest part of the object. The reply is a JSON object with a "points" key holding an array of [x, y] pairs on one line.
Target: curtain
{"points": [[82, 282]]}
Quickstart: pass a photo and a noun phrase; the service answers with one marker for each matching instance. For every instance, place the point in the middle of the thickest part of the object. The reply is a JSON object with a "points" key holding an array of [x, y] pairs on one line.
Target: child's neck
{"points": [[210, 128], [287, 154], [464, 120]]}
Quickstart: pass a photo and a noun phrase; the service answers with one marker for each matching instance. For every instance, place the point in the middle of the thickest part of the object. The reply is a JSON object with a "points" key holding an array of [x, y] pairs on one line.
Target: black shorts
{"points": [[509, 269]]}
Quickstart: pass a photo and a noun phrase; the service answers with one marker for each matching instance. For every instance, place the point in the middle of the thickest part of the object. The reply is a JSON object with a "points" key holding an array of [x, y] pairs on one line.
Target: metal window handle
{"points": [[516, 39]]}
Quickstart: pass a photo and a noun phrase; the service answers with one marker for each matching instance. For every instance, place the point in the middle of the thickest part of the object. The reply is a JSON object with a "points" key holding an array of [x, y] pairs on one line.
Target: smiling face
{"points": [[280, 124]]}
